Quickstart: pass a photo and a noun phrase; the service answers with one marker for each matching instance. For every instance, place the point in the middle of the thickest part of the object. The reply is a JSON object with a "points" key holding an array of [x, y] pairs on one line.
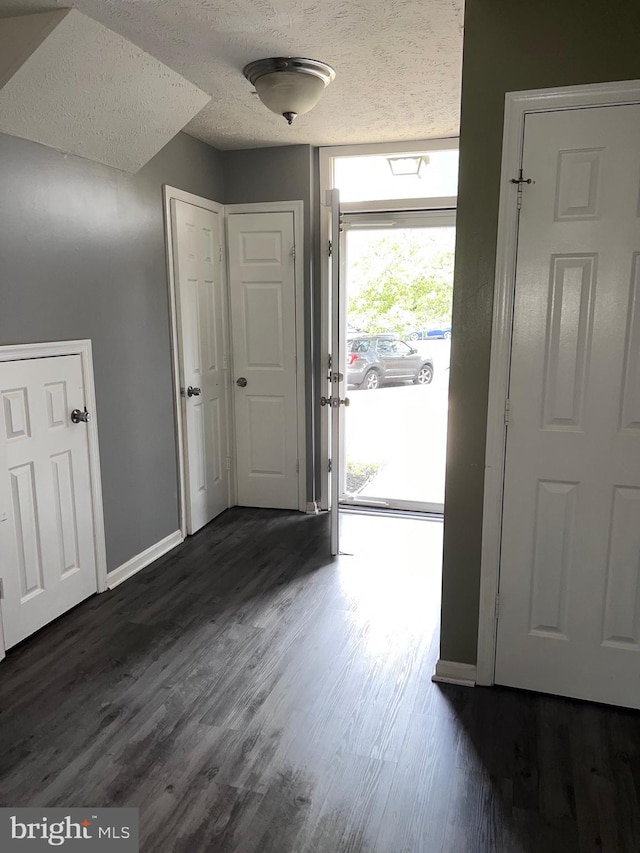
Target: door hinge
{"points": [[297, 465], [497, 605], [507, 411], [329, 362], [1, 588], [227, 463], [330, 247], [520, 180], [220, 253], [293, 251], [329, 466]]}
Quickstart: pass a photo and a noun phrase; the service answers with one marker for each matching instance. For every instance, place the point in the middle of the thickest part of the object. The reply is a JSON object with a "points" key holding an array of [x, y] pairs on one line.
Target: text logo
{"points": [[102, 830]]}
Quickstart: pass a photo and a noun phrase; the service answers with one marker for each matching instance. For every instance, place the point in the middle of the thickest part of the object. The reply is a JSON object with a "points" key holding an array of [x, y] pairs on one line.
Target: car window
{"points": [[400, 348], [385, 346], [359, 346]]}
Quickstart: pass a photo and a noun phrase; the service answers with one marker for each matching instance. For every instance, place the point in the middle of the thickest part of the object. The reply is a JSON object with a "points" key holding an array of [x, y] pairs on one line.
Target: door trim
{"points": [[517, 106], [326, 157], [170, 193], [82, 348], [297, 208]]}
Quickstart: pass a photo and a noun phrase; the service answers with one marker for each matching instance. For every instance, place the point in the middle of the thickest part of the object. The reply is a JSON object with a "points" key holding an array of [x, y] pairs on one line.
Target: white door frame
{"points": [[297, 208], [170, 193], [517, 106], [327, 158], [83, 349]]}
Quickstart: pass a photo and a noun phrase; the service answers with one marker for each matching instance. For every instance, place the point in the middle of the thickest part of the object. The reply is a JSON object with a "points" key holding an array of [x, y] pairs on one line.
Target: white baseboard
{"points": [[451, 672], [140, 561], [312, 508]]}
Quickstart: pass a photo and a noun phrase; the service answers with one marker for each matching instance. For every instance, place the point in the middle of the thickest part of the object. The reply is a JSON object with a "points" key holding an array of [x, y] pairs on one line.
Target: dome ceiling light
{"points": [[289, 86]]}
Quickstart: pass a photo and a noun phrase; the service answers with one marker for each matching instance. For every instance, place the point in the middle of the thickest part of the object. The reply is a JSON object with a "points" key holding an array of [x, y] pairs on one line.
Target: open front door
{"points": [[336, 370]]}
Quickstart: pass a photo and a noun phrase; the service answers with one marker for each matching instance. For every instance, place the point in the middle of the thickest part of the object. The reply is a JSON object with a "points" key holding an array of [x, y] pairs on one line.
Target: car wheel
{"points": [[447, 335], [425, 375], [371, 380]]}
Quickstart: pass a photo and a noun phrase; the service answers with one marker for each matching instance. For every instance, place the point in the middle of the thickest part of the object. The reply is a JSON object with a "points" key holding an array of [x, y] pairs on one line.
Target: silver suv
{"points": [[373, 359]]}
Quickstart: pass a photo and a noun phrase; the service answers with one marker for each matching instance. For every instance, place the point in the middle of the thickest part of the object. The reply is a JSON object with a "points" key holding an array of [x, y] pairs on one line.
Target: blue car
{"points": [[426, 334]]}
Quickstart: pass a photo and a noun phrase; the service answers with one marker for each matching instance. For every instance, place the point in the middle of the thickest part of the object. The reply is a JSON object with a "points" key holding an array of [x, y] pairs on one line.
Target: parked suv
{"points": [[372, 359]]}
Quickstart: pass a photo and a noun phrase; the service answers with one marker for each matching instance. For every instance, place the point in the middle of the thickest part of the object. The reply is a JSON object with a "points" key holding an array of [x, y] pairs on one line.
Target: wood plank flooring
{"points": [[249, 695]]}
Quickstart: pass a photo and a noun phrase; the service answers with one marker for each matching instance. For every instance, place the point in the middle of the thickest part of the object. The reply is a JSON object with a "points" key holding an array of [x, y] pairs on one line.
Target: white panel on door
{"points": [[552, 556], [27, 530], [578, 184], [16, 413], [215, 440], [263, 306], [630, 406], [266, 435], [261, 248], [65, 504], [622, 602], [207, 310], [194, 320], [206, 249], [198, 450], [568, 338], [189, 246], [57, 404]]}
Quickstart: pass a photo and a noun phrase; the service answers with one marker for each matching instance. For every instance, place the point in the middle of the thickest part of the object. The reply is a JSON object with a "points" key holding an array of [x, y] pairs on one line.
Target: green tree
{"points": [[401, 282]]}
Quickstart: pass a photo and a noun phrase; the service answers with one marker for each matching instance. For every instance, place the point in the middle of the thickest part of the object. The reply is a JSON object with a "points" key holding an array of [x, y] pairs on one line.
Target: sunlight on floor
{"points": [[391, 566]]}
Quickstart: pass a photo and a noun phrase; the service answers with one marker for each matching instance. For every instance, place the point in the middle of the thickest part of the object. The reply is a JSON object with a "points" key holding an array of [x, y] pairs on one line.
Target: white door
{"points": [[201, 334], [569, 608], [47, 536], [262, 287], [336, 384]]}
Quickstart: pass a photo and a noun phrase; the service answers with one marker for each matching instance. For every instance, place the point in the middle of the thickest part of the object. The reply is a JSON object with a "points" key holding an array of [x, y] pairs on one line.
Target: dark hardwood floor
{"points": [[250, 695]]}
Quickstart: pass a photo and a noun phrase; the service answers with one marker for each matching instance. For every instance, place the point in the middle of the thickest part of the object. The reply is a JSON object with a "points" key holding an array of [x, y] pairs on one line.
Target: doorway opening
{"points": [[398, 282], [395, 216]]}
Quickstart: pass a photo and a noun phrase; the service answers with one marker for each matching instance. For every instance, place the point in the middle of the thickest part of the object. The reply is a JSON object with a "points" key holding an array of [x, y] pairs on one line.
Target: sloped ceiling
{"points": [[398, 62], [71, 83]]}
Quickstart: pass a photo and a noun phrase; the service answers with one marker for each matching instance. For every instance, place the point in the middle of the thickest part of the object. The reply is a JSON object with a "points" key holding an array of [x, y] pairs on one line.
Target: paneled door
{"points": [[263, 322], [569, 606], [201, 312], [47, 541]]}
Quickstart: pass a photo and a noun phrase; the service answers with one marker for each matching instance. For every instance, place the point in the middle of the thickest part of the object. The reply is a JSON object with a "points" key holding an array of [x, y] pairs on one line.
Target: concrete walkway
{"points": [[403, 428]]}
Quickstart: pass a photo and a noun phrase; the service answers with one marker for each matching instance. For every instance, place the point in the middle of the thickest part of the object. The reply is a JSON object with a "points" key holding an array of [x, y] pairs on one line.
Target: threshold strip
{"points": [[356, 509]]}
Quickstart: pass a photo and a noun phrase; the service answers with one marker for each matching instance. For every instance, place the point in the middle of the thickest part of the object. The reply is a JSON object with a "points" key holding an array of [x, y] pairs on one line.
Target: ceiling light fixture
{"points": [[289, 86], [408, 165]]}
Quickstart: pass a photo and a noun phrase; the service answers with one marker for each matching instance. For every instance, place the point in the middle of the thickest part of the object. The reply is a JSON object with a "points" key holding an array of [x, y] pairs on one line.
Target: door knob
{"points": [[193, 392], [78, 417], [242, 382]]}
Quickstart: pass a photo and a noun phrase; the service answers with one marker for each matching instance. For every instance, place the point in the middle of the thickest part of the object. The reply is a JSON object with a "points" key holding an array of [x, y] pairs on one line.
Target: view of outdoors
{"points": [[399, 284]]}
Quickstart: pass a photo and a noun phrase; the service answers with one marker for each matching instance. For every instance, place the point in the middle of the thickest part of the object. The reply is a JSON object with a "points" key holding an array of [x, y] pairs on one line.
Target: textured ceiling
{"points": [[397, 62]]}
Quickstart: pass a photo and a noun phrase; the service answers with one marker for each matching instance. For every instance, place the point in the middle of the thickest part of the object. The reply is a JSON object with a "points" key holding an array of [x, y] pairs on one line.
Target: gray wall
{"points": [[82, 255], [283, 174], [508, 47]]}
